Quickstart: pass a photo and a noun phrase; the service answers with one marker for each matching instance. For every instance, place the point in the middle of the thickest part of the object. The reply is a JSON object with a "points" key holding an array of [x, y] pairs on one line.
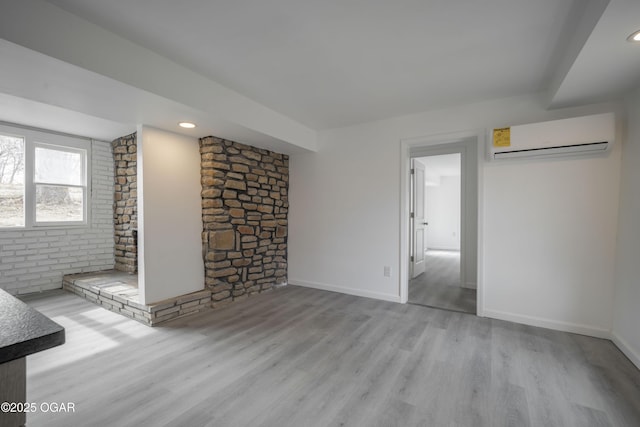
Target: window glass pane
{"points": [[56, 203], [58, 167], [11, 181]]}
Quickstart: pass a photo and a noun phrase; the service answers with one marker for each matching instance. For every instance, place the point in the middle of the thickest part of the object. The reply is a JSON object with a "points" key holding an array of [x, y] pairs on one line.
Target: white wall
{"points": [[443, 214], [169, 215], [345, 216], [550, 233], [35, 260], [626, 322]]}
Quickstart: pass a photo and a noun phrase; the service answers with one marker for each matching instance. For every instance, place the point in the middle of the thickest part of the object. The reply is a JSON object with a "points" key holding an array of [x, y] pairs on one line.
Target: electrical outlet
{"points": [[387, 271]]}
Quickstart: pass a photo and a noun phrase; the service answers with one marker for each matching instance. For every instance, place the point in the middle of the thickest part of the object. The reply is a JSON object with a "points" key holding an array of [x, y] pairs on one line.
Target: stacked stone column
{"points": [[244, 213], [125, 197]]}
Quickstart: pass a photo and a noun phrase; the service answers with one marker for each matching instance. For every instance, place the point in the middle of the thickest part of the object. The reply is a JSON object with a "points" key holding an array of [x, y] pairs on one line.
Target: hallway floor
{"points": [[439, 286]]}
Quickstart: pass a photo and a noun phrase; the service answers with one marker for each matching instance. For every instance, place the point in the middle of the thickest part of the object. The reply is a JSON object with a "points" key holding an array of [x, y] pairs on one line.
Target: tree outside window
{"points": [[12, 181], [43, 179]]}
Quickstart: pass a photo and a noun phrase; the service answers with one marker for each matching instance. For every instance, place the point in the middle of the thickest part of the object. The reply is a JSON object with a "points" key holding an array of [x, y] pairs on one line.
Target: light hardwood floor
{"points": [[304, 357], [439, 286]]}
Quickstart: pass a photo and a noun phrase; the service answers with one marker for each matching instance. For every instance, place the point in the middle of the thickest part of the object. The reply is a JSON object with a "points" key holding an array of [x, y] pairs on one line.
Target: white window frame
{"points": [[34, 138]]}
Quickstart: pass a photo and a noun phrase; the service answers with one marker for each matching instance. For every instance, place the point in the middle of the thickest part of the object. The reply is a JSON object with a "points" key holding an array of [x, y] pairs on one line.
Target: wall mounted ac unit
{"points": [[575, 136]]}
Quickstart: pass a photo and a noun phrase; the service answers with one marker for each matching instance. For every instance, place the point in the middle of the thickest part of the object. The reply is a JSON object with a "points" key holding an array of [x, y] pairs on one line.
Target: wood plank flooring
{"points": [[439, 286], [305, 357]]}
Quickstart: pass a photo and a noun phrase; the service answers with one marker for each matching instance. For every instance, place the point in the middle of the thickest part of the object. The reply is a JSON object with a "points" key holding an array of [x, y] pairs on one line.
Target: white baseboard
{"points": [[628, 351], [343, 290], [548, 323]]}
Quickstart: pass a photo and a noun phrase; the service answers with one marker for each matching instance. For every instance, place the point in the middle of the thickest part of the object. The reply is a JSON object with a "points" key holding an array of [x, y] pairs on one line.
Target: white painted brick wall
{"points": [[36, 260]]}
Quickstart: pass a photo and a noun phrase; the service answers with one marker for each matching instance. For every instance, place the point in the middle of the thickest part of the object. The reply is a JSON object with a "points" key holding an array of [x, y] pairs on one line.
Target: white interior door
{"points": [[418, 222]]}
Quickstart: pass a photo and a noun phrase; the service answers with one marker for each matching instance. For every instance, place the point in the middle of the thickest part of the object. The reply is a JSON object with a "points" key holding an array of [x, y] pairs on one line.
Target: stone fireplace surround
{"points": [[244, 238], [125, 199], [244, 214]]}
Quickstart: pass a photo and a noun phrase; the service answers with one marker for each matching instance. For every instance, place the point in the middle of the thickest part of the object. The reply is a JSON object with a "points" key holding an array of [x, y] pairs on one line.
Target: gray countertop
{"points": [[24, 331]]}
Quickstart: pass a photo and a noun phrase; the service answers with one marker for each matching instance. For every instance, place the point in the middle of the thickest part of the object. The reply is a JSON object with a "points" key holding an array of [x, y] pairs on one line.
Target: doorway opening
{"points": [[440, 219], [435, 253]]}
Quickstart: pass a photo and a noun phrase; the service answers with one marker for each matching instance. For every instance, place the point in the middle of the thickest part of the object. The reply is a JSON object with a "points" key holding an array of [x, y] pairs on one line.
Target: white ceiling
{"points": [[605, 67], [332, 63]]}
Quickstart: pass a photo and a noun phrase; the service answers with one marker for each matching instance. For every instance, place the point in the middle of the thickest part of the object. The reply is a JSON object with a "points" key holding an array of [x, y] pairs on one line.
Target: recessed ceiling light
{"points": [[634, 38], [187, 125]]}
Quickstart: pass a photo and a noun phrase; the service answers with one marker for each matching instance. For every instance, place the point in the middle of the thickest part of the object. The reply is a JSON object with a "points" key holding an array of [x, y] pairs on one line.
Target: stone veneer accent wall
{"points": [[125, 199], [244, 213]]}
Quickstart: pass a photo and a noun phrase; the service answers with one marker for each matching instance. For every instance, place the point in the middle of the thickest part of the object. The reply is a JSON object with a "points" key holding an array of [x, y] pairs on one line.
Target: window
{"points": [[43, 179], [11, 181], [60, 184]]}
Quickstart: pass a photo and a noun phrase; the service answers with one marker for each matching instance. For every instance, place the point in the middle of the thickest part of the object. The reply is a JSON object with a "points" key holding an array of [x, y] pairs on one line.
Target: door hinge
{"points": [[411, 215], [413, 171], [411, 258]]}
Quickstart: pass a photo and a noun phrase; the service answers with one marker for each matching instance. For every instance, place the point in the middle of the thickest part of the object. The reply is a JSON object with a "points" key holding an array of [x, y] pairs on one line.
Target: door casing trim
{"points": [[470, 144]]}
